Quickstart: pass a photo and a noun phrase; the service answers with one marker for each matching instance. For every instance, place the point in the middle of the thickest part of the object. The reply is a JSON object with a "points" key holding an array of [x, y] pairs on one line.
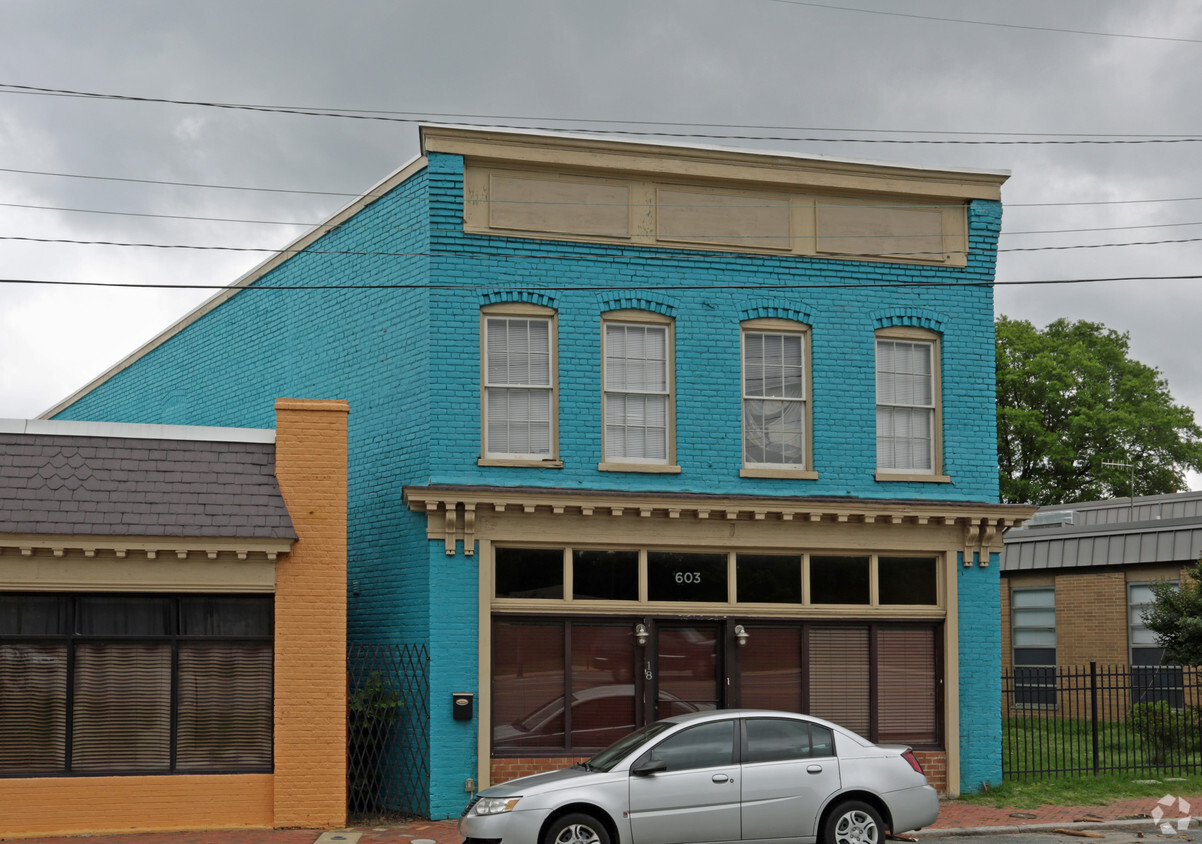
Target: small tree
{"points": [[1175, 616]]}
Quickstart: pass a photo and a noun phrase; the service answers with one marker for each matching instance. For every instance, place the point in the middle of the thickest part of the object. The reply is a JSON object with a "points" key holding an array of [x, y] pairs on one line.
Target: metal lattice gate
{"points": [[388, 731]]}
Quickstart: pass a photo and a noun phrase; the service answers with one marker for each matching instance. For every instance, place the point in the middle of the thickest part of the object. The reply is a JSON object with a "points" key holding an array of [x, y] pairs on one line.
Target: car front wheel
{"points": [[576, 829], [853, 822]]}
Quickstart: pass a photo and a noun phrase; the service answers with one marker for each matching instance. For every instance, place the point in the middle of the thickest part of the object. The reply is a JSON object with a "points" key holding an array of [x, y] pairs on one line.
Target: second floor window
{"points": [[774, 400], [637, 393], [518, 389], [906, 388]]}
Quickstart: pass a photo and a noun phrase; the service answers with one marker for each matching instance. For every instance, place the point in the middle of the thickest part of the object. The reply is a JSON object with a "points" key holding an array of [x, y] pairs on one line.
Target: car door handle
{"points": [[814, 769], [720, 778]]}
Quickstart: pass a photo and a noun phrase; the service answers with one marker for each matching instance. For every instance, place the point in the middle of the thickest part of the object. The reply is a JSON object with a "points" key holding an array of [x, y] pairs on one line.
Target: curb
{"points": [[1019, 829]]}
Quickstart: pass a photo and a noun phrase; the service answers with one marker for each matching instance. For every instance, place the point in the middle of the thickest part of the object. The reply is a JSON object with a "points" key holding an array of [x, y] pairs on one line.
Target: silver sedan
{"points": [[709, 777]]}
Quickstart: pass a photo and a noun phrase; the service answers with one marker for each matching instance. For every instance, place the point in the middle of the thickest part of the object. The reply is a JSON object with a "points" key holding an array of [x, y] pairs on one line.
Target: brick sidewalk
{"points": [[953, 815]]}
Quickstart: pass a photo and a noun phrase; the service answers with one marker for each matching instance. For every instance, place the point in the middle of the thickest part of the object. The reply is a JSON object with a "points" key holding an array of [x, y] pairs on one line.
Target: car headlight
{"points": [[494, 805]]}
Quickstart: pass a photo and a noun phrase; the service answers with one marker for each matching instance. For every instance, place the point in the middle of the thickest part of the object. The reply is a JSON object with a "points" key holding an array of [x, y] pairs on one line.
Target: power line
{"points": [[397, 228], [299, 191], [991, 23], [183, 184], [683, 256], [1010, 140]]}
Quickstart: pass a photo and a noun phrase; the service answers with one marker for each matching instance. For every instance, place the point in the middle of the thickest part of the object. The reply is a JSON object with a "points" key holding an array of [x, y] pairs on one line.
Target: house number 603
{"points": [[688, 577]]}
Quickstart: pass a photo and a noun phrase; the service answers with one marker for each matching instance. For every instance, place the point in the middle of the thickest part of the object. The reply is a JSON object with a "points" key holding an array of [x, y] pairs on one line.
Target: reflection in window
{"points": [[839, 580], [774, 399], [527, 698], [531, 673], [771, 664], [704, 746], [529, 572], [778, 739]]}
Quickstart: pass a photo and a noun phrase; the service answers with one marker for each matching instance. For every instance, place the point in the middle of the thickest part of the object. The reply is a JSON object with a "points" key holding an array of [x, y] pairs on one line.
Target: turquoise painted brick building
{"points": [[639, 429]]}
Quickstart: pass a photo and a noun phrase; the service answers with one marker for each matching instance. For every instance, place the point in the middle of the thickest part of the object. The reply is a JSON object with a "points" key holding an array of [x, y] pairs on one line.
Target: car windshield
{"points": [[621, 748]]}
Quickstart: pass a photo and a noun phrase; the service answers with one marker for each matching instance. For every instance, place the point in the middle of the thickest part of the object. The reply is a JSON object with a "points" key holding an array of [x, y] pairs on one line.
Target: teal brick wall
{"points": [[707, 294], [980, 640], [407, 359]]}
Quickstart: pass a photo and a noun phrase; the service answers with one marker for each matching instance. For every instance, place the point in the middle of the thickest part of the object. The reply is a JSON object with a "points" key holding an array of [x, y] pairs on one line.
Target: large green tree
{"points": [[1070, 399]]}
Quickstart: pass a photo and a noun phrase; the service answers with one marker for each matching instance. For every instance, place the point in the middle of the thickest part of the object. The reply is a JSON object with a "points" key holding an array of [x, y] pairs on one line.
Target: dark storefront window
{"points": [[768, 578], [529, 572], [605, 575], [109, 684], [542, 701], [839, 580], [572, 686]]}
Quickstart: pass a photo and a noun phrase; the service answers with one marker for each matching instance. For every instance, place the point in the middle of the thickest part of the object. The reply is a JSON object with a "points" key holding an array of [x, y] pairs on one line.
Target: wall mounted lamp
{"points": [[741, 635], [641, 634]]}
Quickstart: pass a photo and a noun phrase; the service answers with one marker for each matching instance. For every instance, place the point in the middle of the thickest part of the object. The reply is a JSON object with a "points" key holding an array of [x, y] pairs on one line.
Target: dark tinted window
{"points": [[839, 580], [124, 616], [605, 575], [32, 615], [777, 739], [529, 572], [768, 579], [907, 580], [704, 746], [219, 616]]}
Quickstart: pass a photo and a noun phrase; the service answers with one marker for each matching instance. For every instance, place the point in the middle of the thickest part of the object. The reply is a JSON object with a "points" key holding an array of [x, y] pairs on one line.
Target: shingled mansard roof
{"points": [[123, 480], [1123, 531]]}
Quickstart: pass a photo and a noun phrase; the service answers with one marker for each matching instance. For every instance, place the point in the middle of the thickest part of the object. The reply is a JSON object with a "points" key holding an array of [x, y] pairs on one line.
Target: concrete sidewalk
{"points": [[955, 818]]}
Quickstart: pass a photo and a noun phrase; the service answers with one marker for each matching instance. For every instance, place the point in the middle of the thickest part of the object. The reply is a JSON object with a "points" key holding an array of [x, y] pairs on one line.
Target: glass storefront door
{"points": [[687, 661]]}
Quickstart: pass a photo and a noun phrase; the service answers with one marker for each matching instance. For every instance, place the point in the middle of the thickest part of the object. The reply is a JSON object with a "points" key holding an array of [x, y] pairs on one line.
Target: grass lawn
{"points": [[1083, 791], [1051, 760]]}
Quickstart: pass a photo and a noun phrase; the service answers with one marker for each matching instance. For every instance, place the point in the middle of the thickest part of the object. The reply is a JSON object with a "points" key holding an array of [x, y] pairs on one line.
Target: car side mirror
{"points": [[651, 767]]}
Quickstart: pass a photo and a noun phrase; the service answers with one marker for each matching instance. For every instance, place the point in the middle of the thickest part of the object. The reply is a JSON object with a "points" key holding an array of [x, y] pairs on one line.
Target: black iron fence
{"points": [[388, 731], [1099, 719]]}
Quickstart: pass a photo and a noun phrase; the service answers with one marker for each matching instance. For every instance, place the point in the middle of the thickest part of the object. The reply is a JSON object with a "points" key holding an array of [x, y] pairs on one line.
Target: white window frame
{"points": [[520, 312], [621, 462], [778, 328], [1135, 620], [933, 409]]}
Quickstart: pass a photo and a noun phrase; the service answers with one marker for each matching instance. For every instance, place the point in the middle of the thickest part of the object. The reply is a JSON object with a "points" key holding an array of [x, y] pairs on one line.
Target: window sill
{"points": [[760, 472], [548, 463], [649, 468], [903, 476]]}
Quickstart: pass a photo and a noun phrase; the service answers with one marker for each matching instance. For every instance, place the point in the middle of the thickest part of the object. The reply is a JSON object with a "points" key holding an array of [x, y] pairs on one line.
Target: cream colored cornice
{"points": [[451, 511], [603, 155], [145, 548]]}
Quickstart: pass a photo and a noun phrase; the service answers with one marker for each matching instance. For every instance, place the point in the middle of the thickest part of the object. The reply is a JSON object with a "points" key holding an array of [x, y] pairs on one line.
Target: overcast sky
{"points": [[1024, 70]]}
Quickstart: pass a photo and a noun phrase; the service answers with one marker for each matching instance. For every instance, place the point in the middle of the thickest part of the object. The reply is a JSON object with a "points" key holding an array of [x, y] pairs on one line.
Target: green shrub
{"points": [[1165, 731]]}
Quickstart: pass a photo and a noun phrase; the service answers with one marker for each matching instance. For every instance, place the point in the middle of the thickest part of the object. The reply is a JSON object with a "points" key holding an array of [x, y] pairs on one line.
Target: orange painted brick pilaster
{"points": [[310, 616]]}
